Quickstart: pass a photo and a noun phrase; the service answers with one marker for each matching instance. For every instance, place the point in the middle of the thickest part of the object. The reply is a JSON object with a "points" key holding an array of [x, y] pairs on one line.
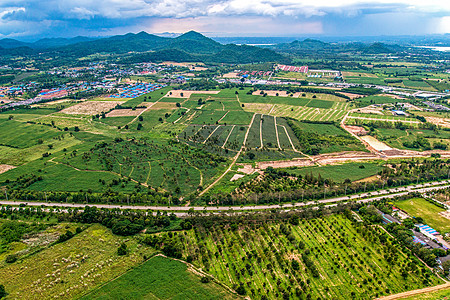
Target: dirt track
{"points": [[417, 292]]}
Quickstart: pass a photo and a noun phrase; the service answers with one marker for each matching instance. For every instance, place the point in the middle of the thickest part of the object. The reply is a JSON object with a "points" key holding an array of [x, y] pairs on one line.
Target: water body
{"points": [[436, 48]]}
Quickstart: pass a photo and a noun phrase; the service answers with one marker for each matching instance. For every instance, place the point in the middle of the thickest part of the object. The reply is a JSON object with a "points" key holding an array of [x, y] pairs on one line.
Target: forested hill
{"points": [[309, 45], [141, 47]]}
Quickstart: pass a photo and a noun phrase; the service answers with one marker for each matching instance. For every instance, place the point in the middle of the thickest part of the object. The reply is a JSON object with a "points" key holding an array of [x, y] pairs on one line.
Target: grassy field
{"points": [[338, 173], [419, 207], [160, 278], [67, 270], [347, 259]]}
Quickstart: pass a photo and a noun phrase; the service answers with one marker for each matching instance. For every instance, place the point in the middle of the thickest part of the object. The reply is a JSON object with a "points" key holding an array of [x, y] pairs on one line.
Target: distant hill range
{"points": [[141, 47], [309, 45]]}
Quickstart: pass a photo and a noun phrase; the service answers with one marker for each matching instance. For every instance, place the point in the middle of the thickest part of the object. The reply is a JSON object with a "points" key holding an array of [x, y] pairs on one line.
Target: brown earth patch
{"points": [[187, 94], [125, 112], [91, 107], [5, 168]]}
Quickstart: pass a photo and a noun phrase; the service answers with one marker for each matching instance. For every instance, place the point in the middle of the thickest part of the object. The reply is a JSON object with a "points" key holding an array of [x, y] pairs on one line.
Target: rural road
{"points": [[183, 210], [417, 292]]}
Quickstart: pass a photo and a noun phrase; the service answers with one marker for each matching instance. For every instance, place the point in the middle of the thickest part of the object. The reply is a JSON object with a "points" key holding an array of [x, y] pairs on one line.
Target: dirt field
{"points": [[125, 112], [4, 168], [393, 96], [322, 159], [230, 75], [191, 66], [369, 110], [236, 177], [91, 107], [187, 94], [352, 96], [247, 169], [258, 107], [439, 121], [375, 144], [274, 93], [358, 130]]}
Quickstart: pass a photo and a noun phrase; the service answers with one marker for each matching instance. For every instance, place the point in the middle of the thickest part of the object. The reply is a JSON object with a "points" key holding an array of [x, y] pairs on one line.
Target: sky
{"points": [[32, 19]]}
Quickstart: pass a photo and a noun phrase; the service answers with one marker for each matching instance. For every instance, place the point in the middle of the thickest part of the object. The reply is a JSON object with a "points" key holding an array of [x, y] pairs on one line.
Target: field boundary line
{"points": [[223, 116], [276, 132], [272, 108], [224, 143], [211, 134], [260, 131], [416, 292]]}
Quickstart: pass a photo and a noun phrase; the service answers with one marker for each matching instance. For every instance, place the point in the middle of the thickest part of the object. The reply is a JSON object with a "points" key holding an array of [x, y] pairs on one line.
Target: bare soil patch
{"points": [[236, 177], [230, 75], [247, 169], [186, 94], [439, 121], [375, 144], [358, 130], [91, 107], [351, 96], [5, 168], [125, 112], [258, 107]]}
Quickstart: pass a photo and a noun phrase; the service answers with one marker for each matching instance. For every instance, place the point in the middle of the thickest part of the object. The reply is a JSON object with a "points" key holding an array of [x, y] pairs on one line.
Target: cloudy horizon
{"points": [[30, 19]]}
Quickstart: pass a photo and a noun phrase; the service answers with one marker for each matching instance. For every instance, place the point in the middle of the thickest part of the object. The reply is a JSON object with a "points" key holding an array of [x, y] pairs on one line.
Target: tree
{"points": [[122, 250], [76, 129], [2, 291]]}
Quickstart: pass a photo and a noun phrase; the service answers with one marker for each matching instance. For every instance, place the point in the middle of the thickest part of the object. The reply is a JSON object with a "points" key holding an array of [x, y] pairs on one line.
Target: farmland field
{"points": [[160, 278], [329, 258], [418, 207], [338, 173], [67, 270]]}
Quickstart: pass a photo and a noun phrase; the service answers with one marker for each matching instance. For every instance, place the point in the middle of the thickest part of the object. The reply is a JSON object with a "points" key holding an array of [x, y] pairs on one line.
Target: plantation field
{"points": [[406, 139], [312, 113], [328, 258], [438, 295], [23, 135], [160, 278], [418, 207], [338, 173], [69, 269]]}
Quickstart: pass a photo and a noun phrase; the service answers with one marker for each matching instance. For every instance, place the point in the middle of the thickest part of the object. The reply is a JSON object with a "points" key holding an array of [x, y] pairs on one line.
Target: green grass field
{"points": [[160, 278], [418, 207], [69, 269], [339, 173]]}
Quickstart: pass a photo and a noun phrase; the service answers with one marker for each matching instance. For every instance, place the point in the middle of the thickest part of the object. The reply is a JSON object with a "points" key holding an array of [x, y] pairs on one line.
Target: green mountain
{"points": [[191, 46]]}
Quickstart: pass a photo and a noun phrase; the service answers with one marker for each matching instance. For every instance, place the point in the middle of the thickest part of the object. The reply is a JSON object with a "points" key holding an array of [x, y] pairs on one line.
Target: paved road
{"points": [[183, 210]]}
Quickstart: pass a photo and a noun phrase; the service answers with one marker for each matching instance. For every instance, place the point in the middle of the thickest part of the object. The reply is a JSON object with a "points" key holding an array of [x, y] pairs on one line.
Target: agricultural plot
{"points": [[338, 173], [67, 270], [385, 117], [149, 97], [23, 135], [91, 107], [208, 117], [254, 138], [310, 113], [236, 118], [327, 258], [181, 167], [418, 207], [414, 139], [160, 278]]}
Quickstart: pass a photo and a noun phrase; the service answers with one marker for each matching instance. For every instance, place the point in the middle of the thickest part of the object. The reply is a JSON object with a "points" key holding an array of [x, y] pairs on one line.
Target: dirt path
{"points": [[224, 143], [417, 292], [384, 120], [234, 159], [211, 134], [292, 144], [223, 115], [260, 131], [276, 132]]}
